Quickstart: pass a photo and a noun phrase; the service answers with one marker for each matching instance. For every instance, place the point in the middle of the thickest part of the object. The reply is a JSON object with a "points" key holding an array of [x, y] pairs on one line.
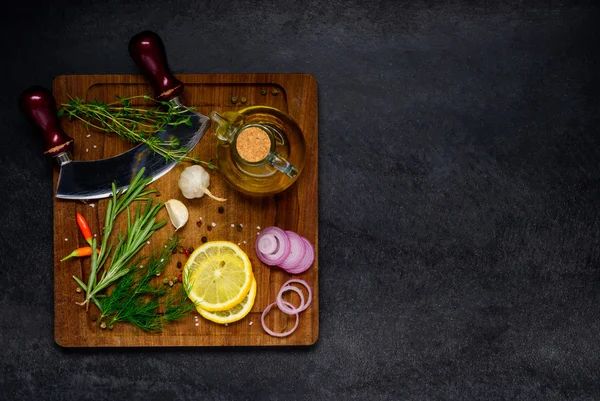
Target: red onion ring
{"points": [[307, 260], [271, 332], [297, 251], [305, 284], [282, 307], [281, 253]]}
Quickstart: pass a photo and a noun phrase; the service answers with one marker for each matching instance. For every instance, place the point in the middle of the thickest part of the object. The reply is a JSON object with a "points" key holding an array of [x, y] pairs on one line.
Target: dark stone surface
{"points": [[459, 183]]}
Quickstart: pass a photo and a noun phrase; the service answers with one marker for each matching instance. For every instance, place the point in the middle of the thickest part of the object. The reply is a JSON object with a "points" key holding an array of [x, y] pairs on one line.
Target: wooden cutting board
{"points": [[295, 209]]}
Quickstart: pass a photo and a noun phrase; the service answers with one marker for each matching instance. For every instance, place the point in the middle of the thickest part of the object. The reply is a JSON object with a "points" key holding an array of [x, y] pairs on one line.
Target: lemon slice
{"points": [[217, 276], [234, 314]]}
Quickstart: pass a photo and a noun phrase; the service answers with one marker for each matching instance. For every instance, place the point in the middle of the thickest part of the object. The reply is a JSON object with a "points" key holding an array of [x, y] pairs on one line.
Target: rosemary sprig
{"points": [[138, 232], [135, 124], [135, 300]]}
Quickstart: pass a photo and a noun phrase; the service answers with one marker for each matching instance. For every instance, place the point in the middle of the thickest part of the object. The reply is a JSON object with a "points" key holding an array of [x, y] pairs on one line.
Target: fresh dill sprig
{"points": [[136, 300], [134, 123]]}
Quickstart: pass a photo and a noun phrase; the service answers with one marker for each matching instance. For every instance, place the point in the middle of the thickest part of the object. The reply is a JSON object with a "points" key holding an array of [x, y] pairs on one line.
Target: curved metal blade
{"points": [[93, 179]]}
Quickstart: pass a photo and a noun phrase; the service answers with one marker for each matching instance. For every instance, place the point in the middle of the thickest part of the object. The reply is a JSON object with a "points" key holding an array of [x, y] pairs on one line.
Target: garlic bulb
{"points": [[177, 212], [194, 182]]}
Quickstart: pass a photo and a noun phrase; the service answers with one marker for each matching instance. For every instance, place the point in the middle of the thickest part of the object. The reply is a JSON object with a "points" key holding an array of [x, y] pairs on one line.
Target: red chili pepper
{"points": [[85, 228], [80, 252]]}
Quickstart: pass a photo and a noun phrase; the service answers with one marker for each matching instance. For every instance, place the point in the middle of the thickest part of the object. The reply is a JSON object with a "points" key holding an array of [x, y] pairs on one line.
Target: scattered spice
{"points": [[102, 325], [239, 227], [209, 228], [166, 281], [253, 144], [78, 289], [191, 249], [171, 283], [213, 224], [199, 223], [204, 239], [234, 99], [186, 252], [221, 209], [275, 92], [263, 92], [243, 100], [179, 277], [232, 225], [179, 265], [157, 194]]}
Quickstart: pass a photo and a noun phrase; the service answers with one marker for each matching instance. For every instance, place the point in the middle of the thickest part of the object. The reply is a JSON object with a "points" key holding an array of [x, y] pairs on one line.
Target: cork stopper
{"points": [[253, 144]]}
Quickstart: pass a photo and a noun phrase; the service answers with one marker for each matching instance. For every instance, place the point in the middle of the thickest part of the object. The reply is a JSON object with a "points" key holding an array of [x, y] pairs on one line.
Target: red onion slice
{"points": [[281, 305], [271, 332], [305, 284], [268, 244], [307, 260], [297, 251], [282, 251]]}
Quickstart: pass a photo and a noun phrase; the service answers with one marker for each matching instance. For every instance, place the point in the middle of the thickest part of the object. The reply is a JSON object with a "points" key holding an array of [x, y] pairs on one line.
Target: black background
{"points": [[458, 187]]}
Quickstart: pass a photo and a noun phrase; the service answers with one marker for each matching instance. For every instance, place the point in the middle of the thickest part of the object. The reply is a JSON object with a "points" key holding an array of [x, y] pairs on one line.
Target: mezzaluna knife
{"points": [[93, 179]]}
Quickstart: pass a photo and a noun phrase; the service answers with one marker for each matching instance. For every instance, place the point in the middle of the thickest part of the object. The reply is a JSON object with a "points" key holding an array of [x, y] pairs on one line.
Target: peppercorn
{"points": [[191, 249], [243, 100], [78, 289], [209, 228], [199, 223], [204, 239], [179, 277], [275, 92], [186, 252], [170, 284], [165, 281], [239, 227], [179, 265], [221, 209], [102, 325], [234, 99], [263, 92]]}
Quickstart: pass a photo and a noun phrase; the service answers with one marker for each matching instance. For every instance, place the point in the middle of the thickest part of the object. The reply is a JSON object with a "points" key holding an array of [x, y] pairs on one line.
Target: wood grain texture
{"points": [[295, 209]]}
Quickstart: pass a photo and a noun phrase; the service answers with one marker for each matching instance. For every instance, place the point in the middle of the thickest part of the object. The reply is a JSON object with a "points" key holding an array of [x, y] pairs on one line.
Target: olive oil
{"points": [[282, 165]]}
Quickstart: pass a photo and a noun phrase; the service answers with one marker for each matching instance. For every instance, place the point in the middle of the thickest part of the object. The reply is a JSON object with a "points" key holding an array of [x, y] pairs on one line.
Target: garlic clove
{"points": [[178, 213]]}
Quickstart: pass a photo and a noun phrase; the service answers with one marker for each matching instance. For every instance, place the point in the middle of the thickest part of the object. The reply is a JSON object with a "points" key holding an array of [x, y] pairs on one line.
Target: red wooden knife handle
{"points": [[148, 51], [38, 105]]}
